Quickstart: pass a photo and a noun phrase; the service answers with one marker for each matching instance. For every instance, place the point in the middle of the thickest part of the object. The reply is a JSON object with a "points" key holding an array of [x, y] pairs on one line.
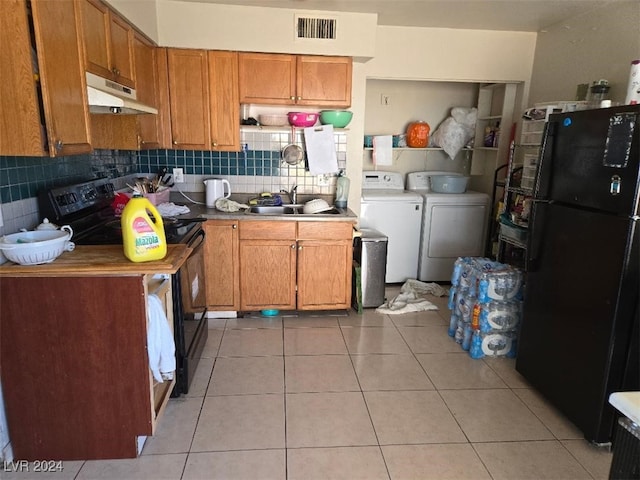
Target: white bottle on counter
{"points": [[342, 190]]}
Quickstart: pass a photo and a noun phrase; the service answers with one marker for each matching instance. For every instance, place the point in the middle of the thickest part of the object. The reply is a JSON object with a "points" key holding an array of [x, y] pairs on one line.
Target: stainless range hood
{"points": [[106, 96]]}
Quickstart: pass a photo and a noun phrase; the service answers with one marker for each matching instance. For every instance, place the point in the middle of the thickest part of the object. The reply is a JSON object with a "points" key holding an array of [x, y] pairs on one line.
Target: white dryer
{"points": [[387, 207], [453, 225]]}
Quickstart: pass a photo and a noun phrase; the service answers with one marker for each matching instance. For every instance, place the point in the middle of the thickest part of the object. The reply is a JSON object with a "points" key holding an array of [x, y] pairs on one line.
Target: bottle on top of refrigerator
{"points": [[143, 235]]}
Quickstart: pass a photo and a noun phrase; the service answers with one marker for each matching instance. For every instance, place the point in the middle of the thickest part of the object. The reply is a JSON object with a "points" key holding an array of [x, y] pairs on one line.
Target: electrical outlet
{"points": [[178, 175], [385, 99], [323, 180]]}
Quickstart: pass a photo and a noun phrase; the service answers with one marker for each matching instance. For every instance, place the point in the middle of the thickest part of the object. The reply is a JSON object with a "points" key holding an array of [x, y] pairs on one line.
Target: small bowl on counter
{"points": [[302, 119], [38, 246]]}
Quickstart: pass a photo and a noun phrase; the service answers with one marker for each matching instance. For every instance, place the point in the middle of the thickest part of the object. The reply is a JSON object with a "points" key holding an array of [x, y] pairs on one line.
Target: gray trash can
{"points": [[370, 252]]}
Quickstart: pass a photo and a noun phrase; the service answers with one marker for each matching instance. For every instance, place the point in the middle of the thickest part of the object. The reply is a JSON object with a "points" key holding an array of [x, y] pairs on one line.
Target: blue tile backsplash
{"points": [[24, 177], [257, 168], [247, 162]]}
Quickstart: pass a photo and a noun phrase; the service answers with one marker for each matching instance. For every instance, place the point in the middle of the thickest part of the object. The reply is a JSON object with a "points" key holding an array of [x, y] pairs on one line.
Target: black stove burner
{"points": [[86, 207]]}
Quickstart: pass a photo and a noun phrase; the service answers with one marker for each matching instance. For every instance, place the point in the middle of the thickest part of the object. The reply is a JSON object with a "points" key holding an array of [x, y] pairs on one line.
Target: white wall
{"points": [[598, 44], [410, 101], [259, 29], [413, 53], [431, 55], [142, 13]]}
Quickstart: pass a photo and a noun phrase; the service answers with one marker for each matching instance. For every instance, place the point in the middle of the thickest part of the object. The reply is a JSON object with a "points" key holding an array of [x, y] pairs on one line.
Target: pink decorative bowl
{"points": [[302, 119]]}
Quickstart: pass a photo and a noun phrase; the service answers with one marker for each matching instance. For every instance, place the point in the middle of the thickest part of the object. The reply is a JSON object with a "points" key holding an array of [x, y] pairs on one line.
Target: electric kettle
{"points": [[215, 190]]}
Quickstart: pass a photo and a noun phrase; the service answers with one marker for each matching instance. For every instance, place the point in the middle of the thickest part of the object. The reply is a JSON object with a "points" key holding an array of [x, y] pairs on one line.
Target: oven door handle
{"points": [[198, 236]]}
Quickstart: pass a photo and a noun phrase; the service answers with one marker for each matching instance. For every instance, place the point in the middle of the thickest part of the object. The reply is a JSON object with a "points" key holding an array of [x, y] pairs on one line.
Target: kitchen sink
{"points": [[273, 210], [288, 209]]}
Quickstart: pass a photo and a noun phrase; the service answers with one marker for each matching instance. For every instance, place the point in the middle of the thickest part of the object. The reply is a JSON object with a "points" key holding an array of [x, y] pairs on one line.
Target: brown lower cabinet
{"points": [[221, 267], [284, 265], [75, 368]]}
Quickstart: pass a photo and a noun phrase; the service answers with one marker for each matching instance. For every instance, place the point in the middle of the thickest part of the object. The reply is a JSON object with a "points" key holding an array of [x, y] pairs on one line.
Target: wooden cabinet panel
{"points": [[107, 41], [221, 267], [86, 393], [122, 57], [325, 252], [95, 36], [146, 62], [114, 131], [267, 78], [323, 81], [267, 274], [21, 131], [324, 274], [279, 79], [267, 230], [267, 265], [164, 114], [189, 99], [224, 110], [325, 230], [62, 76]]}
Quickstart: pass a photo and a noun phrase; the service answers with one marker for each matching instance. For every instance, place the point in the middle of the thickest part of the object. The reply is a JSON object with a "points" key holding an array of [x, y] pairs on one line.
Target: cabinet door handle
{"points": [[292, 98], [214, 144], [58, 145], [300, 247], [298, 98], [234, 226], [115, 71], [175, 142], [293, 246]]}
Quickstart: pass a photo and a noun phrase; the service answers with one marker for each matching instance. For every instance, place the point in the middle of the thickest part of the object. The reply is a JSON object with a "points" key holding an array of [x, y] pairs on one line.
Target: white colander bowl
{"points": [[317, 205], [38, 246]]}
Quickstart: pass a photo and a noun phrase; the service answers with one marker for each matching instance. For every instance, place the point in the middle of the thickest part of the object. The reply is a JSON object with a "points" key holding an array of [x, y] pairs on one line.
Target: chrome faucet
{"points": [[293, 194]]}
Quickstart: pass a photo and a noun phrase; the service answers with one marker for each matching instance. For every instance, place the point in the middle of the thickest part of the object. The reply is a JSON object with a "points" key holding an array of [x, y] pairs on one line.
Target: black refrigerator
{"points": [[578, 341]]}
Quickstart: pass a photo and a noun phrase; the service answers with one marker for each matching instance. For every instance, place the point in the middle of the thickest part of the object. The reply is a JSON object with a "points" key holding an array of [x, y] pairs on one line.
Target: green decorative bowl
{"points": [[337, 118]]}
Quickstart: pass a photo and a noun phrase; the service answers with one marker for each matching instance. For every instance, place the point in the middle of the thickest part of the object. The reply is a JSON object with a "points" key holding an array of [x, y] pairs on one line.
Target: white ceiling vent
{"points": [[315, 27]]}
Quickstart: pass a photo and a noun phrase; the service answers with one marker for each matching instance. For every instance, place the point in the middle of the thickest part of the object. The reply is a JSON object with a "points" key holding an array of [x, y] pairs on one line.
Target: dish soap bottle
{"points": [[142, 235], [342, 190]]}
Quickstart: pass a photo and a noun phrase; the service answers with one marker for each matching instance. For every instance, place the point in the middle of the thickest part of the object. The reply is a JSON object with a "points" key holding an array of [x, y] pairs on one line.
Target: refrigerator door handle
{"points": [[536, 234]]}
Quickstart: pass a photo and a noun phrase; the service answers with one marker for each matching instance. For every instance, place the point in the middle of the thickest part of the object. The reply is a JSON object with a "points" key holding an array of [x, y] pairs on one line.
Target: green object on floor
{"points": [[357, 300]]}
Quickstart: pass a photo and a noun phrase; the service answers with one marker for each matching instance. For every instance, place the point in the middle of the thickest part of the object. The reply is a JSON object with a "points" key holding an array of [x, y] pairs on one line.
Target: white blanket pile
{"points": [[412, 298]]}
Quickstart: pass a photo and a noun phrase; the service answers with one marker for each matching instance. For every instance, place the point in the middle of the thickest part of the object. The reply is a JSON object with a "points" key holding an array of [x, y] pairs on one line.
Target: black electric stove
{"points": [[86, 208]]}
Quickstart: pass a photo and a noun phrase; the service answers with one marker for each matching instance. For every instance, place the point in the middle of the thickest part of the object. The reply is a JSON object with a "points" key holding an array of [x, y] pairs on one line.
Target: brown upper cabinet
{"points": [[107, 41], [189, 98], [224, 109], [309, 80], [60, 125], [203, 97], [148, 92]]}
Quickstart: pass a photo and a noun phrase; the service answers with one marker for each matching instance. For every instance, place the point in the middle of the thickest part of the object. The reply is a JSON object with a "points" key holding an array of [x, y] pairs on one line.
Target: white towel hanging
{"points": [[160, 343]]}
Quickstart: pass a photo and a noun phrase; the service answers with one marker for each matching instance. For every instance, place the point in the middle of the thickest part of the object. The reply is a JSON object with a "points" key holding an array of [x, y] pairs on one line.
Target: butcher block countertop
{"points": [[99, 260]]}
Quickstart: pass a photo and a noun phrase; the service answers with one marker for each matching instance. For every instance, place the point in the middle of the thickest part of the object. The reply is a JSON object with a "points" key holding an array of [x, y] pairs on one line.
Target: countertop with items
{"points": [[199, 210], [99, 260]]}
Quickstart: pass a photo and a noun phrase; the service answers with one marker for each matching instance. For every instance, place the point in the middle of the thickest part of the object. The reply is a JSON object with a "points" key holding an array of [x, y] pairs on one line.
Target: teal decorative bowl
{"points": [[337, 118], [269, 313]]}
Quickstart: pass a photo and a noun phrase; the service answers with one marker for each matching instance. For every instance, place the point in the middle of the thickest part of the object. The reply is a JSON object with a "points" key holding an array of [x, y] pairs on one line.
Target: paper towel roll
{"points": [[633, 89]]}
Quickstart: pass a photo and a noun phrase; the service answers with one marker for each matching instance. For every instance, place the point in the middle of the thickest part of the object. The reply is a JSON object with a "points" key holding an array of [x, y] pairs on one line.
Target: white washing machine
{"points": [[453, 225], [387, 207]]}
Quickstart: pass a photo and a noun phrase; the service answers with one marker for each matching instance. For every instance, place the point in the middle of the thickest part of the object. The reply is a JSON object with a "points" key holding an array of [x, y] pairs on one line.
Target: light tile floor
{"points": [[354, 397]]}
